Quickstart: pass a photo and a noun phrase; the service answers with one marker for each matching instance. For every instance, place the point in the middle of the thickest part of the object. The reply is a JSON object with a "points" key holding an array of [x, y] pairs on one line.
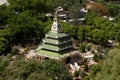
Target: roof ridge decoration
{"points": [[56, 27]]}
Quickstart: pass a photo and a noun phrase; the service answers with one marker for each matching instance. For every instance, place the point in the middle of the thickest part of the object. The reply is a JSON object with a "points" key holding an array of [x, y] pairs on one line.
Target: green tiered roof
{"points": [[55, 42], [56, 35], [51, 54], [50, 47]]}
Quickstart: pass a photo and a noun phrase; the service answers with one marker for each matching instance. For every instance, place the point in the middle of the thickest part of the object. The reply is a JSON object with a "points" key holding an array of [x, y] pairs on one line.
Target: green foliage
{"points": [[90, 17], [73, 31], [82, 73], [47, 25], [70, 29], [101, 30], [110, 66], [86, 68], [94, 70], [15, 51], [23, 22], [86, 78], [66, 4], [32, 69], [3, 64], [82, 47], [76, 73], [117, 19], [38, 76], [3, 45], [81, 33], [4, 15], [25, 29], [87, 32], [98, 36], [96, 58], [33, 5], [74, 9], [55, 70], [114, 7]]}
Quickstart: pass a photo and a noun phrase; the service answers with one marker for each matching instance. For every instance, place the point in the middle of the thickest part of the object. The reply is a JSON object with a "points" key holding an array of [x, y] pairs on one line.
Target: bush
{"points": [[82, 48], [86, 78], [76, 73], [96, 58], [86, 68]]}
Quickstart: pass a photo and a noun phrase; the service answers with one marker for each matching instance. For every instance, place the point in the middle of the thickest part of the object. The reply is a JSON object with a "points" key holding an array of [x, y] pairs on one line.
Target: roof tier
{"points": [[50, 54], [58, 41], [56, 35], [55, 47]]}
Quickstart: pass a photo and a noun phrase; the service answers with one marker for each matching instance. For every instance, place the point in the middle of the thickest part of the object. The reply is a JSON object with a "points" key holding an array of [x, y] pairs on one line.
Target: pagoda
{"points": [[56, 44]]}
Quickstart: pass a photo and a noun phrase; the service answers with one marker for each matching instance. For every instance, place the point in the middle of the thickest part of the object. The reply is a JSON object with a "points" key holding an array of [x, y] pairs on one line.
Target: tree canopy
{"points": [[32, 69], [110, 66]]}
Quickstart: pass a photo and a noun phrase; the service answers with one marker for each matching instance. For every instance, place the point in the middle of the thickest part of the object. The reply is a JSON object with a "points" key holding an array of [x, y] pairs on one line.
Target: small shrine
{"points": [[56, 45]]}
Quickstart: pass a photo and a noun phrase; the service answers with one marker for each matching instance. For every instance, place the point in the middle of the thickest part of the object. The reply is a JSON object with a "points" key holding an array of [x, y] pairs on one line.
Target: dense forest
{"points": [[23, 23]]}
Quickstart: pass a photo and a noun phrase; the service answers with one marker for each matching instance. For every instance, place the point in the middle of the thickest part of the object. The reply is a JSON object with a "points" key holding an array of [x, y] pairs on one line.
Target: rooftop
{"points": [[56, 35], [55, 55], [50, 54]]}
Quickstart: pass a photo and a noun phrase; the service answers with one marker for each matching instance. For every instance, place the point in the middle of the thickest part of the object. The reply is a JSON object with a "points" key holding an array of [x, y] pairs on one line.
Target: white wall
{"points": [[3, 2]]}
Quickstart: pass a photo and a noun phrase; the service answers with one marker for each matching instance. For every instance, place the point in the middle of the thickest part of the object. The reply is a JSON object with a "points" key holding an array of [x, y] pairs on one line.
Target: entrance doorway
{"points": [[68, 60], [46, 58]]}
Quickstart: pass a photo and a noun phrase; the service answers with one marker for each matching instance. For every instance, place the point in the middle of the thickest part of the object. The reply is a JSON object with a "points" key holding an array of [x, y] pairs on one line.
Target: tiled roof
{"points": [[50, 47], [56, 35], [51, 54]]}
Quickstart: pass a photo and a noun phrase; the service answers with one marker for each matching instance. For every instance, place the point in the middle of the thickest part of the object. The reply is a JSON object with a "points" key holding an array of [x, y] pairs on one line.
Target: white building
{"points": [[3, 2]]}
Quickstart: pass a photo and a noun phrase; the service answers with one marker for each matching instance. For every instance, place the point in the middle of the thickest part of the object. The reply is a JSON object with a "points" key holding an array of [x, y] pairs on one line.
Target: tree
{"points": [[55, 70], [25, 29], [75, 11], [99, 36], [117, 36], [3, 45], [82, 47], [94, 70], [24, 70], [86, 68], [66, 4], [88, 33], [91, 17], [76, 74], [110, 66], [70, 29], [81, 33], [32, 69], [4, 15], [113, 8], [38, 76], [4, 62], [36, 6], [96, 58]]}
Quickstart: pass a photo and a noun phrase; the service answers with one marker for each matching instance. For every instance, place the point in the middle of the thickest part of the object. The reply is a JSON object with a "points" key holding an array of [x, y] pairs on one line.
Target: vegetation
{"points": [[32, 69], [110, 66], [23, 22]]}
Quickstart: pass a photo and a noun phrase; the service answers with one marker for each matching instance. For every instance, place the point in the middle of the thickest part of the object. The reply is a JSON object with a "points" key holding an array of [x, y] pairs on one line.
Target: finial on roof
{"points": [[55, 18]]}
